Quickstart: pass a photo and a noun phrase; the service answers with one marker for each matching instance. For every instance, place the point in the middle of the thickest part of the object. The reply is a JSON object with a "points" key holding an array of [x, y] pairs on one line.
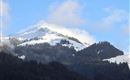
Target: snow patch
{"points": [[53, 40], [120, 59], [99, 51], [22, 57]]}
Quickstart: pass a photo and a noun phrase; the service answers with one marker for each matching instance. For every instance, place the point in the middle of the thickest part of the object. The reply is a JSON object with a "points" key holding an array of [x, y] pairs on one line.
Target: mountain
{"points": [[44, 33], [101, 50], [45, 42], [40, 51]]}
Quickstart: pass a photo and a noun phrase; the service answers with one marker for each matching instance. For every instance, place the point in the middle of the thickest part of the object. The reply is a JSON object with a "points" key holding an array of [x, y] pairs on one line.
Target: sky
{"points": [[104, 20]]}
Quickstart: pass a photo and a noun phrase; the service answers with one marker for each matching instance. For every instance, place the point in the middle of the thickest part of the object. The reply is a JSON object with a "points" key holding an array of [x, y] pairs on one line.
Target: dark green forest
{"points": [[13, 68]]}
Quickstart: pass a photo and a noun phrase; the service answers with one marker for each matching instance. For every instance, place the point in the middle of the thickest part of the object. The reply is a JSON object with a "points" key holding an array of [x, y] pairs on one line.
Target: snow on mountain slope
{"points": [[120, 59], [53, 34], [53, 39]]}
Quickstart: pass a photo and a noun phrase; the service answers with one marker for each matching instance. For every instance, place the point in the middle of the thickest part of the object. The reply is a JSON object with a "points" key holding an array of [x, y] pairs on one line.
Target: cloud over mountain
{"points": [[66, 14]]}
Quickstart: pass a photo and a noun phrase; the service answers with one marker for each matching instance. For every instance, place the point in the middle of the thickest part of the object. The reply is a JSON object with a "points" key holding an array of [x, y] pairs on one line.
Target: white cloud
{"points": [[116, 16], [3, 8], [6, 45], [4, 13], [66, 14]]}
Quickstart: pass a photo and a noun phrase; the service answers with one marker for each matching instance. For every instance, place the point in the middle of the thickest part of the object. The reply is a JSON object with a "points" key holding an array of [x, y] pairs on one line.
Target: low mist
{"points": [[6, 46]]}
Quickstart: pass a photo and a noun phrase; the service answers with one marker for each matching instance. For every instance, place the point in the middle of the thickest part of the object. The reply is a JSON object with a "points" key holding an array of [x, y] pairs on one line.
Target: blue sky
{"points": [[105, 20]]}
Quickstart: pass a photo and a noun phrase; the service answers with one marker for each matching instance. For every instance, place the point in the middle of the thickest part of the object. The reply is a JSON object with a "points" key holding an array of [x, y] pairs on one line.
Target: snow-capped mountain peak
{"points": [[53, 34]]}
